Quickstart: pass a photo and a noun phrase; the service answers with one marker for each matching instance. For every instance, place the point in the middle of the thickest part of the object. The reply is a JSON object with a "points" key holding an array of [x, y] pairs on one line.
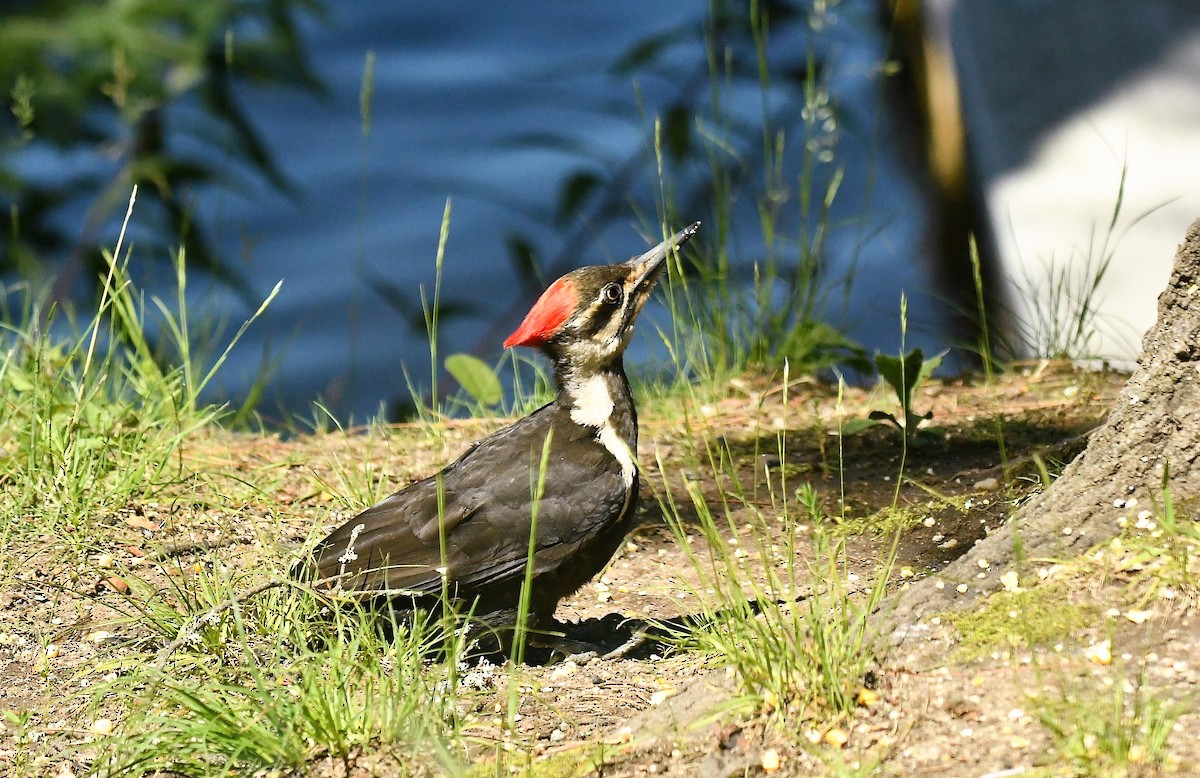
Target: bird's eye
{"points": [[611, 294]]}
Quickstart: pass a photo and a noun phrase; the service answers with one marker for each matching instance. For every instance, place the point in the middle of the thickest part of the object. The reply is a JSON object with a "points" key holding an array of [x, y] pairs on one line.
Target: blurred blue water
{"points": [[454, 84]]}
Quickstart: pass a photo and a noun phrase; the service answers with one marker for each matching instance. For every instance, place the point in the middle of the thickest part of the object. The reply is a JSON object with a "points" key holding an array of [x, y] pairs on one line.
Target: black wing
{"points": [[486, 499]]}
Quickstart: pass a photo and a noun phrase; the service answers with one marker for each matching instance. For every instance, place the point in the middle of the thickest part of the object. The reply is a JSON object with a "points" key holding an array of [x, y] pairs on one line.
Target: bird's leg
{"points": [[567, 650], [554, 639], [582, 651], [637, 639]]}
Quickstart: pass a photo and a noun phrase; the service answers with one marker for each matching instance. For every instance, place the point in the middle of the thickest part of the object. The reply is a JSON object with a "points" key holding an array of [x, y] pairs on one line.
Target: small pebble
{"points": [[837, 737], [1099, 653], [564, 670]]}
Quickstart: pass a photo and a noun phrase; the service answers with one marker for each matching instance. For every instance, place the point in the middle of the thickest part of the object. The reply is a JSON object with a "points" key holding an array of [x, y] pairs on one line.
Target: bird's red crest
{"points": [[549, 313]]}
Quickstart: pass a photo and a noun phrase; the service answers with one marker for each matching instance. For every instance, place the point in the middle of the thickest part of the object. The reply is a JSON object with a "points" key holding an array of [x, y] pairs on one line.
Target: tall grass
{"points": [[95, 415], [1064, 299], [796, 633], [779, 605], [279, 681], [724, 323]]}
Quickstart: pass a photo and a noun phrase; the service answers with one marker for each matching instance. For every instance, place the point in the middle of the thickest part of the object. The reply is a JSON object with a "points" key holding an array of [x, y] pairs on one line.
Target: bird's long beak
{"points": [[644, 271], [647, 267]]}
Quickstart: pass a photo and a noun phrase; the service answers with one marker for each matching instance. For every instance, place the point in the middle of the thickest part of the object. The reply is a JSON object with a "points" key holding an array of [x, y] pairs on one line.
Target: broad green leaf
{"points": [[476, 377], [928, 366], [855, 426]]}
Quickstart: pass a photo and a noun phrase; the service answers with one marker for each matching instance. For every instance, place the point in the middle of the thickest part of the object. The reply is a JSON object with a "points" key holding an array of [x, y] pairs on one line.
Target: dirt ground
{"points": [[932, 710]]}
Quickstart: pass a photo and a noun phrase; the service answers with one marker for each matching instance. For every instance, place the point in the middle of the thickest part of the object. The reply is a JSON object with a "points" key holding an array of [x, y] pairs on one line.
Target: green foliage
{"points": [[109, 74], [904, 374], [476, 378], [797, 636], [1027, 618], [93, 417], [1123, 735], [275, 681]]}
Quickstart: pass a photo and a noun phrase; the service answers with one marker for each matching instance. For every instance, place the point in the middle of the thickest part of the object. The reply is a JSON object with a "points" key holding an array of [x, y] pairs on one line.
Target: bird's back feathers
{"points": [[487, 512]]}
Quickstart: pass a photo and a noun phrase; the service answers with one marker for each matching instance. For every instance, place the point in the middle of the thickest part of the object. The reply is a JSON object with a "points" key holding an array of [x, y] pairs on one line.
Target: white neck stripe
{"points": [[591, 403], [592, 406]]}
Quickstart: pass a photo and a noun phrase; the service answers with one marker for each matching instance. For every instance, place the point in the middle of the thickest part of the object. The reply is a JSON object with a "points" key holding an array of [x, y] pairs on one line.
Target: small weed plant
{"points": [[92, 418], [1065, 320], [1160, 549], [1121, 732], [796, 634], [903, 374], [277, 681]]}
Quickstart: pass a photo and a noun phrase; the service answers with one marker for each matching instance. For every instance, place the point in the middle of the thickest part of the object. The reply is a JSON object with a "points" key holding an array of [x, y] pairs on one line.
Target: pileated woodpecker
{"points": [[471, 523]]}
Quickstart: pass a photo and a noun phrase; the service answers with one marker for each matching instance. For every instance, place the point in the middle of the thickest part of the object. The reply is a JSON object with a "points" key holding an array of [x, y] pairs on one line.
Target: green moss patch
{"points": [[883, 523], [1025, 619]]}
